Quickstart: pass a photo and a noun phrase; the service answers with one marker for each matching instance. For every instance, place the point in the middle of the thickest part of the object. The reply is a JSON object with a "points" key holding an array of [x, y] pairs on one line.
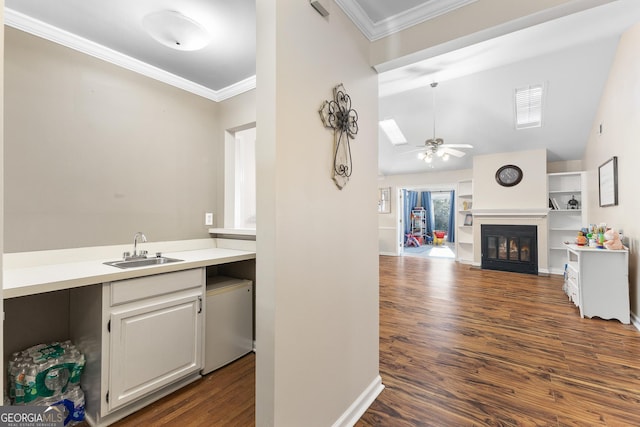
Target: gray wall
{"points": [[317, 264], [94, 152]]}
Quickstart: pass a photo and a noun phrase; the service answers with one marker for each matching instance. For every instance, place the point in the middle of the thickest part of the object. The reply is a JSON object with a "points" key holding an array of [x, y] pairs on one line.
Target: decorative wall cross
{"points": [[338, 115]]}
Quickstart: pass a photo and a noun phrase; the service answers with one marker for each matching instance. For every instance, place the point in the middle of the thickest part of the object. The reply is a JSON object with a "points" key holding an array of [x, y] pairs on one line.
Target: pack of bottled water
{"points": [[48, 375]]}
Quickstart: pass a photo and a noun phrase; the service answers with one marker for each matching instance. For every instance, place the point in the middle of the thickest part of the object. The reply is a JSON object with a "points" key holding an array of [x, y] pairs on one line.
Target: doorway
{"points": [[427, 224]]}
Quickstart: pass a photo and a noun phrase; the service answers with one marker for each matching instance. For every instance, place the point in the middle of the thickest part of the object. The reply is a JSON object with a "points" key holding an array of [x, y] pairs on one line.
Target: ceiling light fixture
{"points": [[175, 30], [435, 147]]}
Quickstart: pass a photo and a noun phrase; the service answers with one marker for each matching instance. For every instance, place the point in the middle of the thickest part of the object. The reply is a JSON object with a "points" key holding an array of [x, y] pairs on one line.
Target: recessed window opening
{"points": [[240, 179], [528, 106]]}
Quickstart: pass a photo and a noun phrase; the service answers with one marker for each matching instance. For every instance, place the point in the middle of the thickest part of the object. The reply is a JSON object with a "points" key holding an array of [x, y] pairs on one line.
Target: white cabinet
{"points": [[143, 338], [464, 221], [153, 344], [563, 221], [597, 281]]}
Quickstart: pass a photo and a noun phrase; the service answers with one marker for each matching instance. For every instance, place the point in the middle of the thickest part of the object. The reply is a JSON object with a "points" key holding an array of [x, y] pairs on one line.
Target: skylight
{"points": [[528, 101], [393, 132]]}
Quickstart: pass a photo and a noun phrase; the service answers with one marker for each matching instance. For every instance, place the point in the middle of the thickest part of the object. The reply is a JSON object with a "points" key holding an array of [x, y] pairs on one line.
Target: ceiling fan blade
{"points": [[452, 151], [415, 150], [457, 146]]}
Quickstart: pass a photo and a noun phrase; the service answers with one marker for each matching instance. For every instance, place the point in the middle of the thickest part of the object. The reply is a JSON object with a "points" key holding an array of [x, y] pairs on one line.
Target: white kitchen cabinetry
{"points": [[143, 343], [597, 281], [564, 223], [464, 237]]}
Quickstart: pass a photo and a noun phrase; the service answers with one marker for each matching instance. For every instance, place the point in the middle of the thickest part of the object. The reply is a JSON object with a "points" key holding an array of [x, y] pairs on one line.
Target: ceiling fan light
{"points": [[445, 157], [428, 159], [439, 153], [175, 30], [421, 156]]}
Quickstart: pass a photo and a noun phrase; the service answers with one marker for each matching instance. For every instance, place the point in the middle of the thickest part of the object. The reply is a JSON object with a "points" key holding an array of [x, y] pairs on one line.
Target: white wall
{"points": [[619, 114], [234, 114], [531, 193], [317, 268], [388, 223]]}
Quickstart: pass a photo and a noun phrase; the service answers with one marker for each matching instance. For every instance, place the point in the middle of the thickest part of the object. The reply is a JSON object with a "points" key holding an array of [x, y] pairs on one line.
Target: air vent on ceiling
{"points": [[528, 102]]}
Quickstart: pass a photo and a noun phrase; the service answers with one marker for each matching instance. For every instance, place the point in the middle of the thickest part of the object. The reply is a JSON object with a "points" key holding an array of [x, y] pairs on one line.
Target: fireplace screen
{"points": [[510, 248]]}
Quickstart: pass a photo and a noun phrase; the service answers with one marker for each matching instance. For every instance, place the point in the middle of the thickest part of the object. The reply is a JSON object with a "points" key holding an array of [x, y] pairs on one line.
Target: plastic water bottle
{"points": [[43, 372], [19, 372], [30, 388], [72, 401]]}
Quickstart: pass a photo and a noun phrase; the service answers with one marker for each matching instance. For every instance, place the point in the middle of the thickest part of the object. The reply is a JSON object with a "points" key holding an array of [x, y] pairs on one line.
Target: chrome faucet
{"points": [[139, 235]]}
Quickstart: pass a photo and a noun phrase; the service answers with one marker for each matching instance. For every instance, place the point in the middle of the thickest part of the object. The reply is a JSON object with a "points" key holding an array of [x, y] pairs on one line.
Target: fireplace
{"points": [[510, 248]]}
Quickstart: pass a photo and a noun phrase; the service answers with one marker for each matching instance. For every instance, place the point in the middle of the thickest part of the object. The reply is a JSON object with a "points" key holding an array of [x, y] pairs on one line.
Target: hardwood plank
{"points": [[461, 347], [225, 397]]}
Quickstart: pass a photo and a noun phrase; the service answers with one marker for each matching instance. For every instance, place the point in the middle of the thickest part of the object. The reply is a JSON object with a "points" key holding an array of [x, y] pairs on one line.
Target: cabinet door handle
{"points": [[199, 305]]}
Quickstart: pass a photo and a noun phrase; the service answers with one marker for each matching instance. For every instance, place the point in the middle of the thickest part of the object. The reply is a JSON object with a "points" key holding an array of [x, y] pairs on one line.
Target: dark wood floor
{"points": [[461, 347]]}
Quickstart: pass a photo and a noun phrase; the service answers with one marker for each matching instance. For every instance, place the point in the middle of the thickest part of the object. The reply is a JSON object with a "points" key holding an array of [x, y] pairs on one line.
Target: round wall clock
{"points": [[509, 175]]}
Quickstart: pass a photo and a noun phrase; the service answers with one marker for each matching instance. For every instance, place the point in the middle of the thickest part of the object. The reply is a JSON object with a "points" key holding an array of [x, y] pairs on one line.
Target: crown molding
{"points": [[46, 31], [393, 24], [237, 88]]}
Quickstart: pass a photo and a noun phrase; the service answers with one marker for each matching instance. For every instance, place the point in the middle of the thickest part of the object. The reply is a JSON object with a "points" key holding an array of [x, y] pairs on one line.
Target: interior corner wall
{"points": [[95, 152], [234, 114], [317, 303], [619, 115]]}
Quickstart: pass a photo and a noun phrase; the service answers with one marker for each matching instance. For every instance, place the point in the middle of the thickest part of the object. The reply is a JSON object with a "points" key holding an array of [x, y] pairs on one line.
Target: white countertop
{"points": [[35, 279], [576, 248]]}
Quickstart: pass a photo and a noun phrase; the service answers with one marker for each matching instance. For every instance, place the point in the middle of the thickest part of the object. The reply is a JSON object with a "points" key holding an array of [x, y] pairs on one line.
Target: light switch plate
{"points": [[208, 218]]}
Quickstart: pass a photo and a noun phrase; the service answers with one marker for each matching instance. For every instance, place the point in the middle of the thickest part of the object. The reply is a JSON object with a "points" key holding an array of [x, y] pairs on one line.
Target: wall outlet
{"points": [[208, 218]]}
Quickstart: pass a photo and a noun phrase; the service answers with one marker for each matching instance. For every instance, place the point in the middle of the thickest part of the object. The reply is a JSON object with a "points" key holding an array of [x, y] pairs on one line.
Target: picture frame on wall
{"points": [[468, 219], [608, 182], [384, 200]]}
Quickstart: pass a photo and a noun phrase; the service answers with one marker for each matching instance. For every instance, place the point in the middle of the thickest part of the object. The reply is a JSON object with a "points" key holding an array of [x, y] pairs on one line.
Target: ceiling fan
{"points": [[435, 147]]}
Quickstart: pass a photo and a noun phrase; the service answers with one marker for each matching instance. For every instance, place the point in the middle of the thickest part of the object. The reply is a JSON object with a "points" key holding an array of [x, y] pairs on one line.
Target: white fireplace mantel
{"points": [[510, 213], [512, 216]]}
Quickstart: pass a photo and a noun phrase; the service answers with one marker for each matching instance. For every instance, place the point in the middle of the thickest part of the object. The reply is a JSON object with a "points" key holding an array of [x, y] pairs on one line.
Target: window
{"points": [[528, 102], [441, 209], [240, 179]]}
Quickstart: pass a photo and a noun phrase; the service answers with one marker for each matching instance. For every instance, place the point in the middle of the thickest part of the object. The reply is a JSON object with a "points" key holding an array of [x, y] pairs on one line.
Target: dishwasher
{"points": [[228, 321]]}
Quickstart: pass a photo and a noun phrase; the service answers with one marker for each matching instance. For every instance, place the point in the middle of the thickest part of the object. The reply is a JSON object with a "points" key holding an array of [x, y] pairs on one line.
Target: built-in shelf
{"points": [[564, 224], [233, 231], [464, 237]]}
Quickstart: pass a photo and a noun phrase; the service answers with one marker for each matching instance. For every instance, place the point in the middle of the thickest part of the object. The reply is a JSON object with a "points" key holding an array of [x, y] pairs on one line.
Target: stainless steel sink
{"points": [[143, 262]]}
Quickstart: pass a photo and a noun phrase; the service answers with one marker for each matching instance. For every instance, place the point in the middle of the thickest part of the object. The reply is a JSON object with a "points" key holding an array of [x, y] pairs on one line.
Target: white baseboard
{"points": [[388, 253], [361, 404]]}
